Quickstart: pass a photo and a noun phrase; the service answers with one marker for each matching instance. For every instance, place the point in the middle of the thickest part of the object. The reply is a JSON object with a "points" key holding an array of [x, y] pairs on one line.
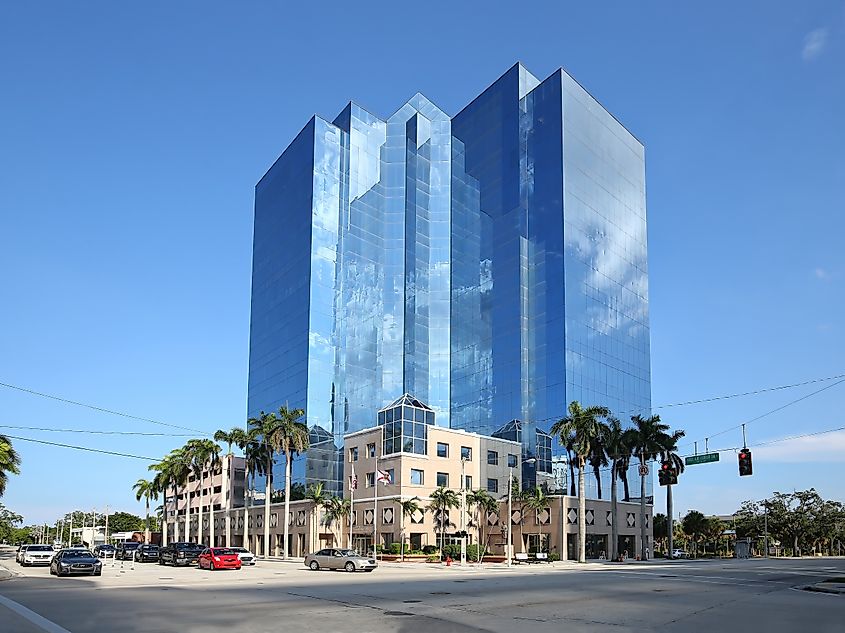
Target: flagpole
{"points": [[375, 507], [353, 483]]}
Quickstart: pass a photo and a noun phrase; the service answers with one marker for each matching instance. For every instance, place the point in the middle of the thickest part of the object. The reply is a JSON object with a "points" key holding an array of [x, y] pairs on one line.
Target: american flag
{"points": [[353, 480]]}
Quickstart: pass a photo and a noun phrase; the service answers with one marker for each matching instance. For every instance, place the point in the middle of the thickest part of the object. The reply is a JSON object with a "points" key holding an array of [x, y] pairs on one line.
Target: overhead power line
{"points": [[768, 413], [81, 448], [98, 408], [52, 430]]}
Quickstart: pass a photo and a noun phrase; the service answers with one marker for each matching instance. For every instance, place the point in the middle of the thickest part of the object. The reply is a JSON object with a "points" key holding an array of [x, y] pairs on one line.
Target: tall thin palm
{"points": [[669, 453], [649, 436], [537, 500], [10, 462], [146, 490], [317, 495], [407, 508], [338, 511], [204, 454], [254, 460], [260, 430], [484, 504], [443, 500], [617, 444], [583, 427], [229, 438]]}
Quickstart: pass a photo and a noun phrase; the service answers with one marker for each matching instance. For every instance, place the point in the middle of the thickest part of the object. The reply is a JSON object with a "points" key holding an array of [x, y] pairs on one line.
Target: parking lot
{"points": [[670, 597]]}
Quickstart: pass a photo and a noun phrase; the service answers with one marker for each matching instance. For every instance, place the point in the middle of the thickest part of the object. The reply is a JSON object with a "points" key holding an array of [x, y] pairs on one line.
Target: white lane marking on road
{"points": [[40, 621]]}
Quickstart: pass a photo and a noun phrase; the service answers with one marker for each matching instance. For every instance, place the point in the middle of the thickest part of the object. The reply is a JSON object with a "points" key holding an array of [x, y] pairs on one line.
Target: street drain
{"points": [[441, 593], [410, 601], [397, 613]]}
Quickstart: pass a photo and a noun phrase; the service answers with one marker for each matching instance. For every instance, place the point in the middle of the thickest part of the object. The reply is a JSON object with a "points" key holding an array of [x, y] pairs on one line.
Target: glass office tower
{"points": [[493, 265]]}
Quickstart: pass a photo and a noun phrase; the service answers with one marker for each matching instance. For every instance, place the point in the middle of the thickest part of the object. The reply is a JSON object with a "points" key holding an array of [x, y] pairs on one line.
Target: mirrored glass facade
{"points": [[492, 264]]}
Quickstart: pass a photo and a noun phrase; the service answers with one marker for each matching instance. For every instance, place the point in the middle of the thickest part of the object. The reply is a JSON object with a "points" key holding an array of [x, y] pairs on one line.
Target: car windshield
{"points": [[221, 551], [39, 548], [131, 545], [240, 550], [78, 552]]}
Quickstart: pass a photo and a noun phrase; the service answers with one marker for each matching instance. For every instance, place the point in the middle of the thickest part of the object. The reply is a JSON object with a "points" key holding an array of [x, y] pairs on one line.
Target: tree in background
{"points": [[661, 528], [317, 495], [10, 462], [484, 504], [407, 509], [338, 511], [125, 522], [695, 525], [648, 438], [9, 522], [443, 500], [146, 490], [617, 443]]}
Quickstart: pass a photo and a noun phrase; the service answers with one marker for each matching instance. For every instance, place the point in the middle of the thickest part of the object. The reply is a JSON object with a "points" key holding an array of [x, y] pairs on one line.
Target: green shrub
{"points": [[554, 556], [429, 549]]}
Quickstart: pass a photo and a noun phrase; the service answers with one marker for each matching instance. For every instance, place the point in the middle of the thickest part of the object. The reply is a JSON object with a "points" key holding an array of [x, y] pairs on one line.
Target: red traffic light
{"points": [[665, 466], [742, 455]]}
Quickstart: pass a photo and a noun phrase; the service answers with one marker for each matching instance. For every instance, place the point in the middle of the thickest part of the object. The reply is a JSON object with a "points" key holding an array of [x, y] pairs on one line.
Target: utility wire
{"points": [[80, 448], [41, 428], [775, 410], [97, 408]]}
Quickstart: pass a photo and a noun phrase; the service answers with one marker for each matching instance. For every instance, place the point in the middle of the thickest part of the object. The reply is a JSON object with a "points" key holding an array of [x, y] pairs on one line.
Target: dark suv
{"points": [[147, 553], [126, 550], [177, 554]]}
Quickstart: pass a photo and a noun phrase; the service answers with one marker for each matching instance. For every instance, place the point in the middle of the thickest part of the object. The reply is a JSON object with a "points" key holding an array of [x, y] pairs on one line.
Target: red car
{"points": [[218, 558]]}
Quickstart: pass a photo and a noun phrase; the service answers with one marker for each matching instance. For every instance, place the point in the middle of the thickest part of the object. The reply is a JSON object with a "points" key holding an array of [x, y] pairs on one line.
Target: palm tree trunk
{"points": [[402, 537], [582, 513], [147, 531], [227, 499], [199, 516], [187, 514], [669, 523], [268, 491], [571, 475], [642, 512], [247, 505], [286, 553], [614, 515], [597, 475], [625, 486]]}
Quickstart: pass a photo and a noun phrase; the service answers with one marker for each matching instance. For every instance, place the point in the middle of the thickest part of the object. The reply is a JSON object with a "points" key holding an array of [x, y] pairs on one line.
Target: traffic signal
{"points": [[745, 467], [667, 475]]}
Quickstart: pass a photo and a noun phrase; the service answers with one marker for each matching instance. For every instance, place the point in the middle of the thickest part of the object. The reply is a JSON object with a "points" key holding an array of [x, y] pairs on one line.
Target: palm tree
{"points": [[171, 471], [442, 500], [283, 434], [567, 444], [255, 458], [148, 490], [407, 508], [536, 499], [317, 495], [235, 437], [484, 504], [10, 462], [669, 454], [648, 439], [598, 460], [260, 429], [583, 428], [204, 454], [617, 443], [338, 510]]}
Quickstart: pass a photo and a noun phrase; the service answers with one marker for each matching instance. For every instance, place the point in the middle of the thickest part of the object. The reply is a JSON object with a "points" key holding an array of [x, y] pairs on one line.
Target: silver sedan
{"points": [[346, 559]]}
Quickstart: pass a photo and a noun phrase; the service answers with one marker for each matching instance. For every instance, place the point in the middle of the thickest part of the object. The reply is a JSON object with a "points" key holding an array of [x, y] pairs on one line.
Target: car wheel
{"points": [[314, 565], [211, 566], [350, 566], [52, 573]]}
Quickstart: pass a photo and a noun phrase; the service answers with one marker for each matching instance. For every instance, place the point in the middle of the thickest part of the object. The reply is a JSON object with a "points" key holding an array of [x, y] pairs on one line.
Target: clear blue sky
{"points": [[132, 137]]}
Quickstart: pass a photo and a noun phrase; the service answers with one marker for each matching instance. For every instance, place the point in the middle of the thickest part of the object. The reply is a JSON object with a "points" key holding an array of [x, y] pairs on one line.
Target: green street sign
{"points": [[704, 458]]}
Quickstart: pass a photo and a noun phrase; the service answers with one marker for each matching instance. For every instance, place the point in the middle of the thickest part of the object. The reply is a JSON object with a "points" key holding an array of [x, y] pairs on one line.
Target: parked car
{"points": [[20, 551], [75, 561], [36, 555], [146, 553], [347, 559], [679, 553], [247, 557], [178, 554], [104, 551], [126, 550], [218, 558]]}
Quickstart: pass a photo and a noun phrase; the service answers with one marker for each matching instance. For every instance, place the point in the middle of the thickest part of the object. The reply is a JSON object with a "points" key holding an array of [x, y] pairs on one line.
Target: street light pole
{"points": [[463, 510], [766, 527]]}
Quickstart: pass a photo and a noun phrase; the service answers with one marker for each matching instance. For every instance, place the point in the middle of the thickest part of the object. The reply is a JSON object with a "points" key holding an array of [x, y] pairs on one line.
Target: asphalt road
{"points": [[683, 596]]}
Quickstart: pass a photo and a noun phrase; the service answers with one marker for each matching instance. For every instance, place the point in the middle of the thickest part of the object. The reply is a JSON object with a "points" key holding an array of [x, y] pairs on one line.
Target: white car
{"points": [[679, 553], [36, 555], [247, 557]]}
